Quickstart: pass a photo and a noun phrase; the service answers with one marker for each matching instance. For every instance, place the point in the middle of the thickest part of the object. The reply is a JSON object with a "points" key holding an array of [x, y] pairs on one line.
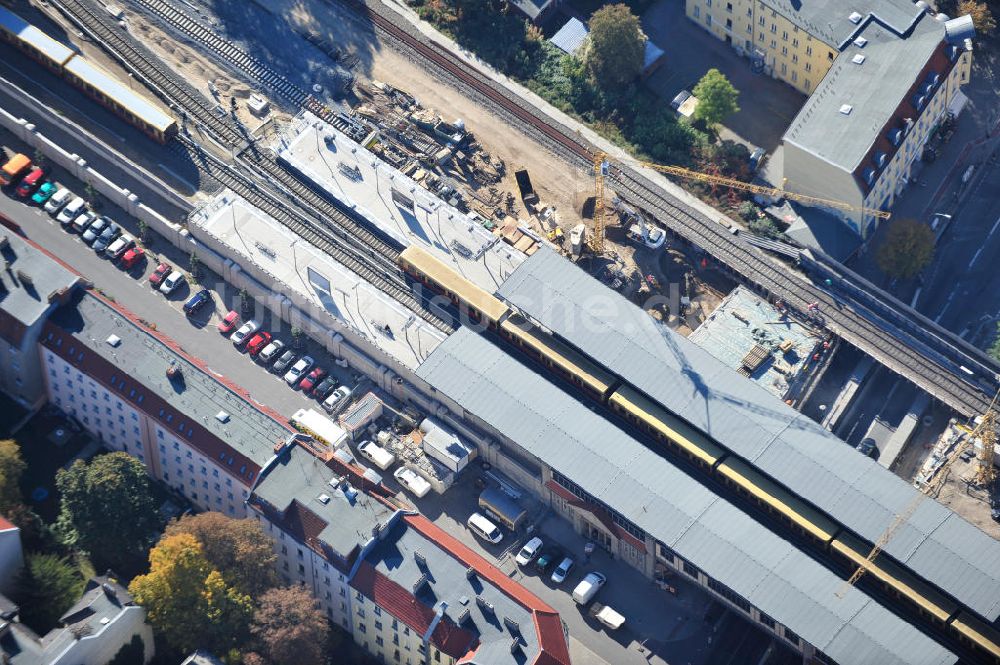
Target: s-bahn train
{"points": [[102, 86], [834, 539]]}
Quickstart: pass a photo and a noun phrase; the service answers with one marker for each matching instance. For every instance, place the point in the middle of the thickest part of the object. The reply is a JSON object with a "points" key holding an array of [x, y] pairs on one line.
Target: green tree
{"points": [[717, 98], [289, 628], [11, 468], [297, 338], [194, 265], [239, 549], [246, 303], [907, 248], [188, 602], [143, 231], [615, 47], [108, 509], [48, 586], [994, 349], [91, 196], [982, 17], [131, 653]]}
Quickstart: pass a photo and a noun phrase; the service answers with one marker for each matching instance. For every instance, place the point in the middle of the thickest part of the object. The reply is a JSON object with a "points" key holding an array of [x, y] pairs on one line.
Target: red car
{"points": [[258, 342], [132, 258], [312, 378], [159, 275], [31, 182], [228, 322]]}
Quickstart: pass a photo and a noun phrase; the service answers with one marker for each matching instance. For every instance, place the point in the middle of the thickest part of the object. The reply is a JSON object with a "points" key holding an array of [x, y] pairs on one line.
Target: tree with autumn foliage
{"points": [[288, 628], [238, 549], [188, 601], [982, 16]]}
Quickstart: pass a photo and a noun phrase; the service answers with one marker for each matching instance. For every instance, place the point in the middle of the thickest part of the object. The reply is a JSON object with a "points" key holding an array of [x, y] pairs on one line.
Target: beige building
{"points": [[881, 78]]}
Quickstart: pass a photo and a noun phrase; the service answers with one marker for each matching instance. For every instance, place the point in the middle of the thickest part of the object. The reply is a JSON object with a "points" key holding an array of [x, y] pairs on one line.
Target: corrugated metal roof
{"points": [[571, 36], [671, 506], [757, 426], [124, 96]]}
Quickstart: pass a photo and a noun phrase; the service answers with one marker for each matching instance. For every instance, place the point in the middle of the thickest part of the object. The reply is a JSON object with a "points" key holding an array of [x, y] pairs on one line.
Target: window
{"points": [[795, 76], [774, 29], [729, 7], [791, 636], [784, 36], [795, 43], [378, 625], [362, 628], [829, 56], [708, 20], [784, 50], [378, 640], [795, 58], [767, 621], [784, 68], [697, 11], [809, 50], [378, 611], [809, 67]]}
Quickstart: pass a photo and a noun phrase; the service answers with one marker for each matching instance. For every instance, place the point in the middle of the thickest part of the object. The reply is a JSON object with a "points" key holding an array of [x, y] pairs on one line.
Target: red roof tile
{"points": [[400, 603], [6, 524]]}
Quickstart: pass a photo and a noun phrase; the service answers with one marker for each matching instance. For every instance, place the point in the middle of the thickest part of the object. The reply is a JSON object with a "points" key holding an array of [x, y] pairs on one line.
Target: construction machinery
{"points": [[602, 168], [985, 432]]}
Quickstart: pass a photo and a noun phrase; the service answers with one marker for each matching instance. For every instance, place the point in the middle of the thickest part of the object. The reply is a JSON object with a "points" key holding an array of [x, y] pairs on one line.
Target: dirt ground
{"points": [[969, 502]]}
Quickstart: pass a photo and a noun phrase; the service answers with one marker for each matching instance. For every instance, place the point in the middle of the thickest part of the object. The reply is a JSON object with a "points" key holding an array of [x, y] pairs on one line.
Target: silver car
{"points": [[298, 370]]}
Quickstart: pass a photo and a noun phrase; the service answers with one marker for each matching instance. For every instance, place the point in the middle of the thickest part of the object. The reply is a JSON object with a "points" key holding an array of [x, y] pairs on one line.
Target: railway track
{"points": [[386, 277], [177, 94], [924, 354], [225, 49]]}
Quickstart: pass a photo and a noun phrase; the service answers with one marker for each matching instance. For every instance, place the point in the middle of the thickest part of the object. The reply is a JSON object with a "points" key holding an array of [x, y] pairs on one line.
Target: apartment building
{"points": [[408, 593], [31, 287], [881, 76], [193, 432]]}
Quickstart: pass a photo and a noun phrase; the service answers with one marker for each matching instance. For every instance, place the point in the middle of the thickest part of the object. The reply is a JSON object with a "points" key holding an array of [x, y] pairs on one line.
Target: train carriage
{"points": [[26, 37], [433, 272]]}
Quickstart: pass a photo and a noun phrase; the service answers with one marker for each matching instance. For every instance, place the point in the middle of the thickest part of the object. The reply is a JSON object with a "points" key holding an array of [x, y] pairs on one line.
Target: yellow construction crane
{"points": [[602, 167], [985, 431]]}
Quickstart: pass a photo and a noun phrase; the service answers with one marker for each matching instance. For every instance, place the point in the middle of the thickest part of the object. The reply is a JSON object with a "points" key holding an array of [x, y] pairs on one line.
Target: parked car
{"points": [[159, 274], [94, 230], [119, 246], [868, 447], [83, 222], [561, 572], [31, 182], [311, 379], [337, 398], [298, 370], [244, 332], [132, 257], [58, 200], [171, 282], [284, 362], [197, 301], [547, 559], [45, 192], [376, 454], [607, 616], [477, 523], [756, 159], [69, 211], [270, 352], [414, 482], [528, 552], [228, 322], [324, 388], [108, 236], [588, 588], [258, 342]]}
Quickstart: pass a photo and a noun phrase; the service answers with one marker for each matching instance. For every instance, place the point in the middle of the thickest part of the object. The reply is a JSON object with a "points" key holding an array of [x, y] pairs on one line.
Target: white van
{"points": [[588, 588], [57, 201], [376, 454], [484, 528], [71, 210]]}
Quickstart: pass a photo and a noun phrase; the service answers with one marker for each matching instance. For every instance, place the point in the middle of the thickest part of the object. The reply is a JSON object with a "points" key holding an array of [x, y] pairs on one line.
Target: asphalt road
{"points": [[961, 290], [198, 337]]}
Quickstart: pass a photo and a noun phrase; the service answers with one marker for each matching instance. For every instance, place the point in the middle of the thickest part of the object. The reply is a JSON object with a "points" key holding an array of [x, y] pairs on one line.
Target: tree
{"points": [[143, 231], [297, 338], [194, 265], [289, 628], [131, 653], [48, 586], [11, 468], [982, 17], [907, 248], [716, 98], [108, 508], [238, 549], [994, 349], [246, 303], [615, 47], [187, 601], [90, 194]]}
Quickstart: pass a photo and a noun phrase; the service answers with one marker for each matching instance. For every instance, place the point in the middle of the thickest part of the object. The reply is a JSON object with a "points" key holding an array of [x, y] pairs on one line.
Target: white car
{"points": [[412, 481], [376, 454], [561, 572], [298, 370], [337, 398], [71, 210], [58, 200], [172, 281], [270, 352], [528, 552], [244, 332]]}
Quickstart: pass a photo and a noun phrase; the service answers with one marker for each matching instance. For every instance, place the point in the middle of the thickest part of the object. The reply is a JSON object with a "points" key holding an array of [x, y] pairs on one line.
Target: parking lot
{"points": [[660, 627], [197, 334]]}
